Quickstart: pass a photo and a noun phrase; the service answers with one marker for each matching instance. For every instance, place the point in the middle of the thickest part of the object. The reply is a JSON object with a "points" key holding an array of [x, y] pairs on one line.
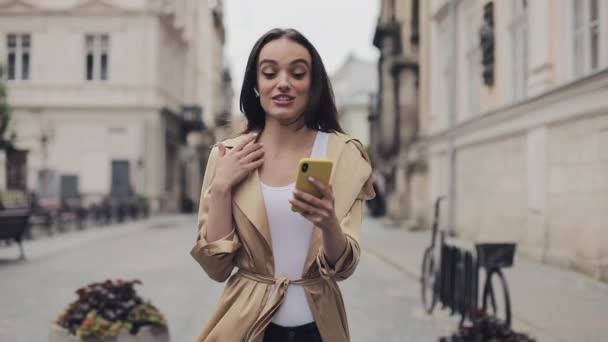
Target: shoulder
{"points": [[351, 147], [354, 164], [232, 142], [228, 143]]}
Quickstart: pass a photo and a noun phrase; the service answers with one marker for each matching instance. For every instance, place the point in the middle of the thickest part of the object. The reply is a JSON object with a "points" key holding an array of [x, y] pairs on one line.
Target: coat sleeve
{"points": [[351, 226], [217, 257]]}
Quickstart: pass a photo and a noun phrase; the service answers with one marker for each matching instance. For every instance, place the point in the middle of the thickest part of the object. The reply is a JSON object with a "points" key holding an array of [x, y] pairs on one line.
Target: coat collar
{"points": [[249, 198]]}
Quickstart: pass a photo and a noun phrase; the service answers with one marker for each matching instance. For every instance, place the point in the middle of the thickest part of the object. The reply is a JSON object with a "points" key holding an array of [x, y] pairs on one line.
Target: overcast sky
{"points": [[335, 27]]}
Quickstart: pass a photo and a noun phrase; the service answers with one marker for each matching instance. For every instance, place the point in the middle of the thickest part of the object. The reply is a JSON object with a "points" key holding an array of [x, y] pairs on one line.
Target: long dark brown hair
{"points": [[320, 113]]}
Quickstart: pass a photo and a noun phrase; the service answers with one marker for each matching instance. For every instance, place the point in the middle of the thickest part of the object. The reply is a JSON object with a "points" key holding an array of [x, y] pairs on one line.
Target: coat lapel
{"points": [[349, 178], [334, 148], [249, 199]]}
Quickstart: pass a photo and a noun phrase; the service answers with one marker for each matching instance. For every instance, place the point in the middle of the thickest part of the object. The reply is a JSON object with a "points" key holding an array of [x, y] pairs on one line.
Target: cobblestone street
{"points": [[382, 301]]}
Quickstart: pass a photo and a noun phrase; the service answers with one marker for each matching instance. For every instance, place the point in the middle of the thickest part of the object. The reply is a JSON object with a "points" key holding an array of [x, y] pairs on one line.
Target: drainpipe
{"points": [[452, 118]]}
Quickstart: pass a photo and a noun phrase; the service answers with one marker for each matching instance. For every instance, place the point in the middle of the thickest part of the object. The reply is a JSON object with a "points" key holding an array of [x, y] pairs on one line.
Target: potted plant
{"points": [[110, 311], [484, 327]]}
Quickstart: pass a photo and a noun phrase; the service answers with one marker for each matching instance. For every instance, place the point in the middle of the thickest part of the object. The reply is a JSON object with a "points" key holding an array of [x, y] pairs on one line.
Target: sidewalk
{"points": [[548, 303], [44, 245]]}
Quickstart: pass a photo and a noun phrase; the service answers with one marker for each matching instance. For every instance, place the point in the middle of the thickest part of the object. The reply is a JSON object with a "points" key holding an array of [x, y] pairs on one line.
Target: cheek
{"points": [[264, 86], [302, 86]]}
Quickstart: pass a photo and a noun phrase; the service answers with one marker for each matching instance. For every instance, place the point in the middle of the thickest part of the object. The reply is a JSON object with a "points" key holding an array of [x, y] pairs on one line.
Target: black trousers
{"points": [[301, 333]]}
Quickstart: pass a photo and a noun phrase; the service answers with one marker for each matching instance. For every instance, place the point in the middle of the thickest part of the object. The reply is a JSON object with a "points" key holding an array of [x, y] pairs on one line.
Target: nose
{"points": [[283, 84]]}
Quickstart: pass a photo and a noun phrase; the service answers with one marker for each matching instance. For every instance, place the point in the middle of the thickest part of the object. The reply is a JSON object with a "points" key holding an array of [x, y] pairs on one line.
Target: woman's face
{"points": [[284, 76]]}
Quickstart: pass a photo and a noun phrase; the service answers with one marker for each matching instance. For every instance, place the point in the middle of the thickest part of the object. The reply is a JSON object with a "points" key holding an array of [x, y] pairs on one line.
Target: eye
{"points": [[299, 75], [268, 75]]}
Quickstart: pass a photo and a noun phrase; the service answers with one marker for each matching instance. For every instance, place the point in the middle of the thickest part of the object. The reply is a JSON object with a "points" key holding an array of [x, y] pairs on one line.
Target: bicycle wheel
{"points": [[489, 296], [428, 281]]}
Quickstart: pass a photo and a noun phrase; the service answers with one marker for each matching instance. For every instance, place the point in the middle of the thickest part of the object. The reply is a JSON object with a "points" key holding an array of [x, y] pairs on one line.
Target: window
{"points": [[47, 183], [97, 57], [473, 60], [518, 30], [586, 34], [18, 48], [121, 179], [69, 187], [16, 170]]}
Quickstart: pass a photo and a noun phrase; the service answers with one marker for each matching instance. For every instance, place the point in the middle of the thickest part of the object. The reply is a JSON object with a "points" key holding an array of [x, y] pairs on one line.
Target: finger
{"points": [[249, 138], [314, 219], [305, 207], [310, 199], [324, 189], [254, 165], [221, 149], [251, 147], [253, 156]]}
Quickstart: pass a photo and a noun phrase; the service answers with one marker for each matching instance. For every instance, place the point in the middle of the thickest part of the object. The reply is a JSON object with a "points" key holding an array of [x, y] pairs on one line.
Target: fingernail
{"points": [[311, 179], [254, 134]]}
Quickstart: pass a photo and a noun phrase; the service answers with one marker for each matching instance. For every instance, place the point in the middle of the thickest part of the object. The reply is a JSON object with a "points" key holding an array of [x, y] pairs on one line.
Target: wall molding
{"points": [[90, 7], [585, 97]]}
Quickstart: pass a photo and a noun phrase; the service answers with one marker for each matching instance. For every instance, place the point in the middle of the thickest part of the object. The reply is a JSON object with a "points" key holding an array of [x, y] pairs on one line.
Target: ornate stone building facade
{"points": [[115, 97], [531, 123], [395, 119]]}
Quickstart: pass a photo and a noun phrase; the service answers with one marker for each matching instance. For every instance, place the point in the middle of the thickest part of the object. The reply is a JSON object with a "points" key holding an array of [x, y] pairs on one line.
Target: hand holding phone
{"points": [[320, 169]]}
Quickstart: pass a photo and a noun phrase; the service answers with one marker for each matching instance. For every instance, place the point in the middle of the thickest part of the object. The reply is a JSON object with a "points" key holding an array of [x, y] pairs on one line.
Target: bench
{"points": [[13, 225]]}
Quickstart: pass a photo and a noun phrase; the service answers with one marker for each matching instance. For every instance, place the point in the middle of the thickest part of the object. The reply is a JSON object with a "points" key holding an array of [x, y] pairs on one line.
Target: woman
{"points": [[288, 263]]}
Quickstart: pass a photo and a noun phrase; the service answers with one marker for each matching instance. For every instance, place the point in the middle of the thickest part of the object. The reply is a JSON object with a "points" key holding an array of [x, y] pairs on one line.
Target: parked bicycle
{"points": [[429, 268], [452, 277]]}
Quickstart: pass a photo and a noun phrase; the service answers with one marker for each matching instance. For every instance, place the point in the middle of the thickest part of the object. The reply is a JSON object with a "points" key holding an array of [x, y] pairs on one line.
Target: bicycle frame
{"points": [[436, 221], [452, 275], [431, 271]]}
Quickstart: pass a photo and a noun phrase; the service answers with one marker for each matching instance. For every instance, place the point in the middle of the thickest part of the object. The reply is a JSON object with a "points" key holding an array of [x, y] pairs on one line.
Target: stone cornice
{"points": [[403, 62], [582, 97], [95, 7], [175, 12], [383, 30]]}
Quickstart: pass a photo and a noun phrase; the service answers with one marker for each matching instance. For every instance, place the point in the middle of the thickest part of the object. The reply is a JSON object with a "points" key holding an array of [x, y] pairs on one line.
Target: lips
{"points": [[283, 99]]}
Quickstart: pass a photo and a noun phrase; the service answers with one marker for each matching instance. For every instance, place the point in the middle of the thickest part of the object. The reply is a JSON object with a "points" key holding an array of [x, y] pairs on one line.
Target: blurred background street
{"points": [[383, 302]]}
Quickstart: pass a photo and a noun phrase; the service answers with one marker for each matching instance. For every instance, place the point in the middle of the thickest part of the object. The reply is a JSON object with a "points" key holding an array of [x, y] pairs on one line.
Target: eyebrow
{"points": [[295, 61]]}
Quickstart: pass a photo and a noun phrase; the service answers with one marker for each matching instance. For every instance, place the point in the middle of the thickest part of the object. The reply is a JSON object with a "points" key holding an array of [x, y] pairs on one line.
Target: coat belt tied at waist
{"points": [[276, 297]]}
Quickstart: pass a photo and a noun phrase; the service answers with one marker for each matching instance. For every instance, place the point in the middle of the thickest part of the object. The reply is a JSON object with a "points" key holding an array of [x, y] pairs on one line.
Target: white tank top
{"points": [[291, 235]]}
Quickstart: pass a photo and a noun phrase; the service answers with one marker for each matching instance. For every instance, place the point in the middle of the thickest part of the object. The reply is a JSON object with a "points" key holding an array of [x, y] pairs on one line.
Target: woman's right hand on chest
{"points": [[234, 165]]}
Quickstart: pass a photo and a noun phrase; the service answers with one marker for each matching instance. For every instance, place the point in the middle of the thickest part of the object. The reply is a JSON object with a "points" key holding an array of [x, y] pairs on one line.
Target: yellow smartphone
{"points": [[320, 169]]}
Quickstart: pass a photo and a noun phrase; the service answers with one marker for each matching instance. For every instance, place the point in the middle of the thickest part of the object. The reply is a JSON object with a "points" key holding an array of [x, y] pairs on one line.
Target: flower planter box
{"points": [[145, 334], [110, 311]]}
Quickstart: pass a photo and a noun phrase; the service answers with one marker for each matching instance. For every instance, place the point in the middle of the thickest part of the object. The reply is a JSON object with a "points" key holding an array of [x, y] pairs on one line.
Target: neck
{"points": [[286, 138]]}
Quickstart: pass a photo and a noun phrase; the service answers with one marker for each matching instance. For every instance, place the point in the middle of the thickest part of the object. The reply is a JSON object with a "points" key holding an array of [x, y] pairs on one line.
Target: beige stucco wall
{"points": [[577, 196], [491, 197], [84, 144], [535, 170]]}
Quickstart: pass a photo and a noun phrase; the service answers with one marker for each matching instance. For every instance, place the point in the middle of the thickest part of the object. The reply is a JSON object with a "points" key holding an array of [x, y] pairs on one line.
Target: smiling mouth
{"points": [[283, 99]]}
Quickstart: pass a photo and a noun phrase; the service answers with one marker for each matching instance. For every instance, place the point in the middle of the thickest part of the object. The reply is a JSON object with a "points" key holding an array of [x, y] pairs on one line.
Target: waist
{"points": [[270, 280], [275, 297]]}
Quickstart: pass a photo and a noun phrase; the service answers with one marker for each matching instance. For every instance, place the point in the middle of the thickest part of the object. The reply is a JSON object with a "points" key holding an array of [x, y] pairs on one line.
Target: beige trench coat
{"points": [[252, 294]]}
